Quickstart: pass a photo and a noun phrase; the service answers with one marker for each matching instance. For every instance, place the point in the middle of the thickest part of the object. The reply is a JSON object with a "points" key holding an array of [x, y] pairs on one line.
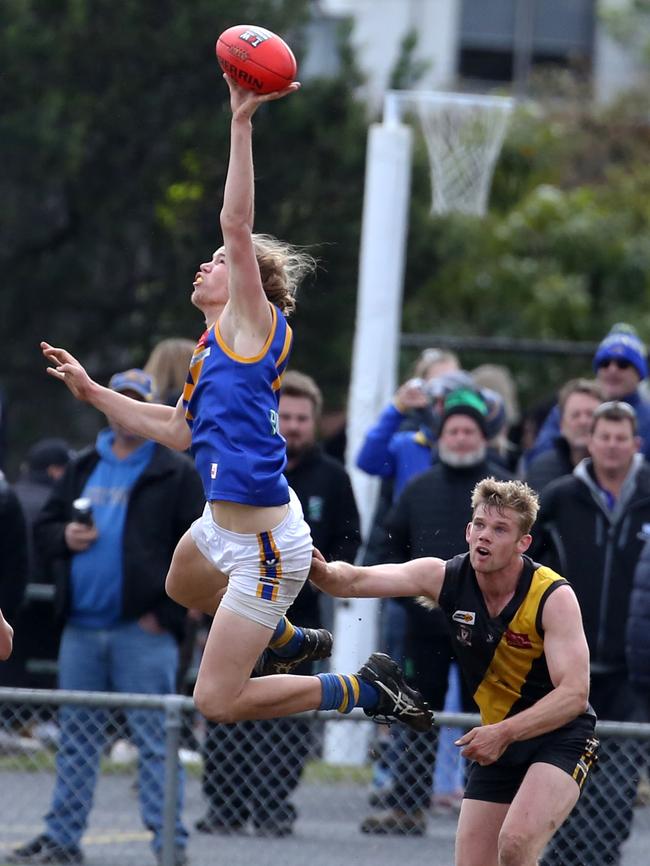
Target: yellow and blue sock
{"points": [[343, 692], [287, 639]]}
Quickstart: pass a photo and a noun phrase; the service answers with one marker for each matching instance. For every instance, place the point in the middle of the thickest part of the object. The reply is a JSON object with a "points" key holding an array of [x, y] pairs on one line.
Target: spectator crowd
{"points": [[99, 527]]}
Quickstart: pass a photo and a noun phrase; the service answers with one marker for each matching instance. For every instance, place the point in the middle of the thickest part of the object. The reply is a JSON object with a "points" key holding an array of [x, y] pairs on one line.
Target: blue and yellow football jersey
{"points": [[231, 406]]}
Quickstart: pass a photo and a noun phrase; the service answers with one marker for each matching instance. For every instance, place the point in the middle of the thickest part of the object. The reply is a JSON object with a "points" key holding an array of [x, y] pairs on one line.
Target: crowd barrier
{"points": [[265, 781]]}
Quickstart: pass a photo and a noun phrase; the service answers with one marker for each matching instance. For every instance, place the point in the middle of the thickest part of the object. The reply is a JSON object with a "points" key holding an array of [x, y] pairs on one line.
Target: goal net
{"points": [[464, 134]]}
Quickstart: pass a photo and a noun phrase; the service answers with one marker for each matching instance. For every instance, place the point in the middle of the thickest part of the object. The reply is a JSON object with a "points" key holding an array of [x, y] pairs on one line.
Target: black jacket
{"points": [[429, 519], [323, 487], [163, 502], [13, 551], [549, 465], [637, 637], [597, 550], [33, 494]]}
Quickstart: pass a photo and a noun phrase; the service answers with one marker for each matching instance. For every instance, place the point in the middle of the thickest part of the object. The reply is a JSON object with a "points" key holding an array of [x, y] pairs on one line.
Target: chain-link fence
{"points": [[256, 791]]}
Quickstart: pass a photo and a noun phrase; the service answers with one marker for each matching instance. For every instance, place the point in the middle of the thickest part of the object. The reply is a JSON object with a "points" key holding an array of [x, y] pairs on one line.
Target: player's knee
{"points": [[211, 705], [215, 702], [514, 848]]}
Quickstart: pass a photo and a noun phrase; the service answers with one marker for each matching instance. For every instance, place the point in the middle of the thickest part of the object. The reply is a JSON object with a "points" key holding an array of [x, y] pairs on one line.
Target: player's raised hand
{"points": [[68, 370], [244, 103]]}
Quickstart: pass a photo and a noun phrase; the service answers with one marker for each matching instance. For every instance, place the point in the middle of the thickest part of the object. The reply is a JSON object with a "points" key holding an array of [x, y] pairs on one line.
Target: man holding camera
{"points": [[399, 445], [107, 534]]}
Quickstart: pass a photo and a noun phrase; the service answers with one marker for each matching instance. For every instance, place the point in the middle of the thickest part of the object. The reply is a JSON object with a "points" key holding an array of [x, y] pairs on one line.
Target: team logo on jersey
{"points": [[466, 616], [274, 418], [464, 635], [518, 640]]}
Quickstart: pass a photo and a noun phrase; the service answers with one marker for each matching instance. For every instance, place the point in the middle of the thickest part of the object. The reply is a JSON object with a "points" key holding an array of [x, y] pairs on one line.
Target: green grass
{"points": [[45, 762], [332, 774], [316, 772], [40, 762]]}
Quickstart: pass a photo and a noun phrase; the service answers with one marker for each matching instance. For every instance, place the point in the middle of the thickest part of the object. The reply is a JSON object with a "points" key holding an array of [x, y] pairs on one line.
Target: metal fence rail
{"points": [[264, 786]]}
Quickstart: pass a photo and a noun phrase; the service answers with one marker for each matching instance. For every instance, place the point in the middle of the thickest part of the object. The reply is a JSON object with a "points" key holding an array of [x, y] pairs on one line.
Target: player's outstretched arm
{"points": [[6, 638], [419, 577], [164, 424], [247, 298]]}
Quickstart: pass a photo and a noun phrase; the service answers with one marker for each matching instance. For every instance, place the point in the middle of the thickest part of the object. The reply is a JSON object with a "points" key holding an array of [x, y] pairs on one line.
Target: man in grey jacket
{"points": [[591, 528]]}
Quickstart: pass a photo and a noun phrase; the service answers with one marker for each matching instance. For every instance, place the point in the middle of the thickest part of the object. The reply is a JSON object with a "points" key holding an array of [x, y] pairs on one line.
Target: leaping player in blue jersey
{"points": [[245, 560]]}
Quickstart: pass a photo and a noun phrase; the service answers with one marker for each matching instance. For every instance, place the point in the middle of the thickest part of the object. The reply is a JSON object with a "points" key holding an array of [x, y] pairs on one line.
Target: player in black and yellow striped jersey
{"points": [[518, 633]]}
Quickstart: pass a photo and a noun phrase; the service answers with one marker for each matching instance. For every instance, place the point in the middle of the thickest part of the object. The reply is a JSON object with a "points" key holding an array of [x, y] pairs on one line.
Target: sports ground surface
{"points": [[325, 833]]}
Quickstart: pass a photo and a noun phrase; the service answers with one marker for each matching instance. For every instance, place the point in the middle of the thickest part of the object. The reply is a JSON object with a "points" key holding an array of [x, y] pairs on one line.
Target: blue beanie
{"points": [[623, 342]]}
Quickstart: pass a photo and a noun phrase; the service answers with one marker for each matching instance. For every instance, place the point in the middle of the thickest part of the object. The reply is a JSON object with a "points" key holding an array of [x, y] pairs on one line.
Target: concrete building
{"points": [[475, 45]]}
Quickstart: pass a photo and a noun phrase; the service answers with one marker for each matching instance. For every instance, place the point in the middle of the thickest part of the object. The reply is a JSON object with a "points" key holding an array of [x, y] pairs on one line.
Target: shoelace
{"points": [[402, 705]]}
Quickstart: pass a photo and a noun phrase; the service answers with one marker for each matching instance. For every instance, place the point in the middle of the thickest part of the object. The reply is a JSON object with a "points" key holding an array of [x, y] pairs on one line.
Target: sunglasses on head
{"points": [[616, 408], [621, 363]]}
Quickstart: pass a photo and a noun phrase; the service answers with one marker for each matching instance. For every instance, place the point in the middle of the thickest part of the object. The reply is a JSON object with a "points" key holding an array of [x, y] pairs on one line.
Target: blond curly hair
{"points": [[282, 268]]}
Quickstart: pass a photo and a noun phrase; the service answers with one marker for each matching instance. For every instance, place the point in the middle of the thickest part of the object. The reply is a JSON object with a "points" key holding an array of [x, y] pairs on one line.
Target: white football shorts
{"points": [[265, 571]]}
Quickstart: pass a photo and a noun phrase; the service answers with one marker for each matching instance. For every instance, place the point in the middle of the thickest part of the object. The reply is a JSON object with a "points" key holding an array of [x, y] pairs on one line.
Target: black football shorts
{"points": [[573, 748]]}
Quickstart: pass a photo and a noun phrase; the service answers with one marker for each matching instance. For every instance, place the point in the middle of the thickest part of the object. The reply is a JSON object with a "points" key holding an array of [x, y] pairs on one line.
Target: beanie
{"points": [[465, 401], [623, 342], [48, 452]]}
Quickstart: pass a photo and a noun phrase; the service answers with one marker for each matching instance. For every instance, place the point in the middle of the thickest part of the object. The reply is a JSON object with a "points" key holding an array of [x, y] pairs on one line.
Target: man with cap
{"points": [[620, 365], [121, 630], [429, 519]]}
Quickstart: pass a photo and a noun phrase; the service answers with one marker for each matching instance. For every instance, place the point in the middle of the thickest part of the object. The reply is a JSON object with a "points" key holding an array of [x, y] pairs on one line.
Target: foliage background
{"points": [[114, 143], [113, 146]]}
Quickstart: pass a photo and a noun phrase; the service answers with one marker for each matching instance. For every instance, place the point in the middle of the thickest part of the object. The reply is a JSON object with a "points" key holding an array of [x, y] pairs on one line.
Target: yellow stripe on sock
{"points": [[285, 637], [356, 691], [345, 703]]}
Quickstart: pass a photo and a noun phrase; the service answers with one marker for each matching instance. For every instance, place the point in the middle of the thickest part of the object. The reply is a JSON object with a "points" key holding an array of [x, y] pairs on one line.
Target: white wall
{"points": [[380, 26], [615, 69]]}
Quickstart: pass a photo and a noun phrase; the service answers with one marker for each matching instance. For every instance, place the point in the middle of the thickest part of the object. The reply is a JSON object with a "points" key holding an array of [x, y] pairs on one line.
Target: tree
{"points": [[563, 252], [114, 141]]}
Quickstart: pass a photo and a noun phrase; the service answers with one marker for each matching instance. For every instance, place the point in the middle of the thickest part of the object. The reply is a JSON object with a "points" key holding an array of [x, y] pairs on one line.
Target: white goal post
{"points": [[456, 126]]}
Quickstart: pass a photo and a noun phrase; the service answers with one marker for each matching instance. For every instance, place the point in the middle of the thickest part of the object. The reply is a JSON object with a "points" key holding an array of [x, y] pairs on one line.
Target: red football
{"points": [[256, 58]]}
